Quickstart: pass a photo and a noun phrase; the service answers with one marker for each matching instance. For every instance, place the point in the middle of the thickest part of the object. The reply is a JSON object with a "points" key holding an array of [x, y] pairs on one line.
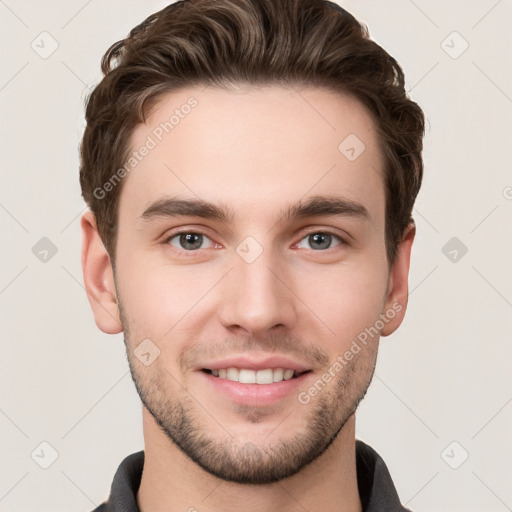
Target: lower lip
{"points": [[256, 394]]}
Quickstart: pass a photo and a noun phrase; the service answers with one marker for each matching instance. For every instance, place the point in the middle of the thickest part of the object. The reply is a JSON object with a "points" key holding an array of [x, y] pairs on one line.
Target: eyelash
{"points": [[338, 237], [341, 240], [168, 239]]}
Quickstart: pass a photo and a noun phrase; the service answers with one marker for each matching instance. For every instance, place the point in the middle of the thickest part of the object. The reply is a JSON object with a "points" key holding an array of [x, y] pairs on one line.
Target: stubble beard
{"points": [[247, 463]]}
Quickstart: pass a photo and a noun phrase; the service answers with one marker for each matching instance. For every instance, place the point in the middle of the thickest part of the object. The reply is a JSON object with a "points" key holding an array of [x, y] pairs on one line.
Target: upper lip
{"points": [[253, 363]]}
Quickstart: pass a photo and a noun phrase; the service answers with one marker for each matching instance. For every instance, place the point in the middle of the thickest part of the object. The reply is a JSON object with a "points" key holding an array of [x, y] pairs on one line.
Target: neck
{"points": [[172, 482]]}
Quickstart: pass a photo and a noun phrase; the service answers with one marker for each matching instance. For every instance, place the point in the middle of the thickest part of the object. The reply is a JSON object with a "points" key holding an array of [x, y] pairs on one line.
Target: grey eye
{"points": [[319, 241], [188, 241]]}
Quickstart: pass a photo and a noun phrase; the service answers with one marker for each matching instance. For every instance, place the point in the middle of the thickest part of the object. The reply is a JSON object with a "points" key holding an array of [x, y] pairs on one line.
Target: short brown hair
{"points": [[253, 42]]}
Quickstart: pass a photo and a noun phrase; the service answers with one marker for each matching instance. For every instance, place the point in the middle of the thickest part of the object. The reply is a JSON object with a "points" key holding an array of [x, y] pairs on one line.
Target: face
{"points": [[250, 264]]}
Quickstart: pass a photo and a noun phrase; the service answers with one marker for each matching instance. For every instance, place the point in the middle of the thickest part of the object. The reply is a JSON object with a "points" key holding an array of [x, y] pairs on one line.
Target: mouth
{"points": [[250, 376]]}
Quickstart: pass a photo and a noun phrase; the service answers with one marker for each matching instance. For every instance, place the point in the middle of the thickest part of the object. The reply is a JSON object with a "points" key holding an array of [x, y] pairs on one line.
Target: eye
{"points": [[189, 240], [320, 241]]}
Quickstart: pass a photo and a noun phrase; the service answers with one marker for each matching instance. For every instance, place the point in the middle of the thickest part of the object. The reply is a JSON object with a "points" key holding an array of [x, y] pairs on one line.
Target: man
{"points": [[251, 168]]}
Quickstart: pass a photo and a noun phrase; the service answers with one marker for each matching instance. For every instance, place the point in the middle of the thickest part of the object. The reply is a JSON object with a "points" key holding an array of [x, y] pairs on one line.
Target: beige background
{"points": [[442, 388]]}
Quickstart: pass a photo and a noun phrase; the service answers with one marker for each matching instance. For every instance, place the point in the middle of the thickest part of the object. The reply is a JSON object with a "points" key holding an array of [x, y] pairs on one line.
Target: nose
{"points": [[257, 297]]}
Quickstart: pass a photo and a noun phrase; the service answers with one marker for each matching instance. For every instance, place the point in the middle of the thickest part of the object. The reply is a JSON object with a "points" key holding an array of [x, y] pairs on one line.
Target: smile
{"points": [[248, 376]]}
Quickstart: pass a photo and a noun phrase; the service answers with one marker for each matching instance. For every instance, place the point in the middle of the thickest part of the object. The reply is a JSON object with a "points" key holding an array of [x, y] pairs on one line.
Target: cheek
{"points": [[158, 297], [347, 299]]}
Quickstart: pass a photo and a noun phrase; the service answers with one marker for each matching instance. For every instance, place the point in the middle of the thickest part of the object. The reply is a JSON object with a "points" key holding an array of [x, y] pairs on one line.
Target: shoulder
{"points": [[376, 488]]}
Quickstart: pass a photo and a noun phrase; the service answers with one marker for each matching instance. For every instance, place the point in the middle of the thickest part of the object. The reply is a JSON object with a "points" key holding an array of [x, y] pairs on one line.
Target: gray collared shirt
{"points": [[376, 488]]}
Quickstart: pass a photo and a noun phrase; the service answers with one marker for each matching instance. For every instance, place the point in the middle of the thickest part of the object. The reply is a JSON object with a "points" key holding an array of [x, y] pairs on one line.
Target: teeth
{"points": [[278, 375], [232, 374], [267, 376], [288, 374], [245, 376]]}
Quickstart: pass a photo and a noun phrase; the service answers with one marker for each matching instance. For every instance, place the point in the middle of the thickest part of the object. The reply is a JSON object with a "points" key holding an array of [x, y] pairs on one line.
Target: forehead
{"points": [[254, 148]]}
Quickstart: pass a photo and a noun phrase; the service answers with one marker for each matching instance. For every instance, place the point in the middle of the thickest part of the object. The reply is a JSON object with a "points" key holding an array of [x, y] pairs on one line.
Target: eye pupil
{"points": [[322, 240], [191, 240]]}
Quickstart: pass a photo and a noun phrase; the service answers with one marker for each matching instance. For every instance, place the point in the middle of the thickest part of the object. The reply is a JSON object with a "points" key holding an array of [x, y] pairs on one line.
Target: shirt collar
{"points": [[376, 488]]}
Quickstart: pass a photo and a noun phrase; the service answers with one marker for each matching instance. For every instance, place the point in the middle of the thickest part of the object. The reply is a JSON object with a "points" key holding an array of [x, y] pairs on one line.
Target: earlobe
{"points": [[98, 277], [398, 287]]}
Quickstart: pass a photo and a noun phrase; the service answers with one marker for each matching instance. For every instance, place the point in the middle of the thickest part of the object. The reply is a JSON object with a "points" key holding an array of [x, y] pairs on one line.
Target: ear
{"points": [[99, 277], [398, 287]]}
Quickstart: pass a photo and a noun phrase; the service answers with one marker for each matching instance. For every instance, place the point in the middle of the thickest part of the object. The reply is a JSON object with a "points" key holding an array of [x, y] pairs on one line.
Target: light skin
{"points": [[258, 153]]}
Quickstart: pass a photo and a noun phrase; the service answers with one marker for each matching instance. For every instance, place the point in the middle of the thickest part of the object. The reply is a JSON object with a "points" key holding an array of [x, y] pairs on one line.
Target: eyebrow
{"points": [[315, 206], [176, 207]]}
